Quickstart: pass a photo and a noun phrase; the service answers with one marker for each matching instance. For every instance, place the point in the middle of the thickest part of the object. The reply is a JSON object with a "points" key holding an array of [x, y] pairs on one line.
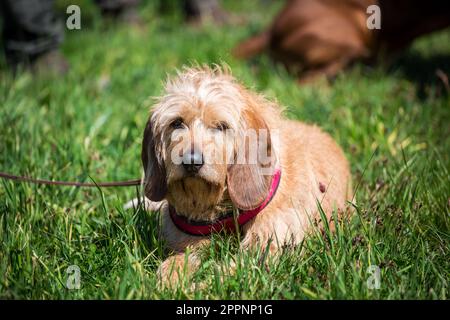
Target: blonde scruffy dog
{"points": [[221, 158]]}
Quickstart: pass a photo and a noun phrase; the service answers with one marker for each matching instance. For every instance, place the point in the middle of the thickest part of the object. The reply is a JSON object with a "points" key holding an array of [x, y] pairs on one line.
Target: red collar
{"points": [[228, 223]]}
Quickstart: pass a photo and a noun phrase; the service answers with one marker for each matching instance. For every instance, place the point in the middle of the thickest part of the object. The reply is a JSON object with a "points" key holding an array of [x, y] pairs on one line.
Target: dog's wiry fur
{"points": [[309, 159]]}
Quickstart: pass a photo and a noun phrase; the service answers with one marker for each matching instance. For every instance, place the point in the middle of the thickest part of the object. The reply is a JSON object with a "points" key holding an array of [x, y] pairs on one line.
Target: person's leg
{"points": [[31, 32]]}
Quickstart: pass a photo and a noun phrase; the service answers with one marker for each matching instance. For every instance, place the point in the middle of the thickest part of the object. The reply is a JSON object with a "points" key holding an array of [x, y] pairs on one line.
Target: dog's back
{"points": [[321, 37], [317, 165], [310, 34]]}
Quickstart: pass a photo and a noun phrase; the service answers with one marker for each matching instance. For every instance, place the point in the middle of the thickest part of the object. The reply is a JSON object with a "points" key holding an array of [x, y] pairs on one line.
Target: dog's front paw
{"points": [[147, 204], [168, 275], [177, 269]]}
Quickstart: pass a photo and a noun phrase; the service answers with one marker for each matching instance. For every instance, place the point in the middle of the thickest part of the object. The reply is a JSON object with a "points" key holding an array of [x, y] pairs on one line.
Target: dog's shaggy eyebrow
{"points": [[220, 96]]}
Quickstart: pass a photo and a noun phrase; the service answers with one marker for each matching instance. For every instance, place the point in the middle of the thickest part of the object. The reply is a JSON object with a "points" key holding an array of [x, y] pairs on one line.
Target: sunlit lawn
{"points": [[393, 124]]}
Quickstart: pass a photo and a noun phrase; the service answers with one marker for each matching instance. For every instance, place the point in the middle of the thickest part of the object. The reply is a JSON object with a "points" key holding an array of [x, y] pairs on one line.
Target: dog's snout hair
{"points": [[192, 160]]}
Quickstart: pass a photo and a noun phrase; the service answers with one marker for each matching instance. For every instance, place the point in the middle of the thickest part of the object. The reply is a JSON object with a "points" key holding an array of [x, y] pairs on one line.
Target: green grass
{"points": [[393, 124]]}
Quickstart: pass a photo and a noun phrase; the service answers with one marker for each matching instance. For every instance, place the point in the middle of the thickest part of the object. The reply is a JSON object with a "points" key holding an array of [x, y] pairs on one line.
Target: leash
{"points": [[15, 178]]}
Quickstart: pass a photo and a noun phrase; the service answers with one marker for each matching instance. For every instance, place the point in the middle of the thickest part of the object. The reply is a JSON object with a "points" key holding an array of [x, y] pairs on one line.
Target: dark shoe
{"points": [[50, 63], [128, 15], [199, 12]]}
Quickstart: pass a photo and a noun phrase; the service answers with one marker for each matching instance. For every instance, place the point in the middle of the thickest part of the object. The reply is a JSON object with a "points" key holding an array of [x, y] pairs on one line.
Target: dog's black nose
{"points": [[192, 161]]}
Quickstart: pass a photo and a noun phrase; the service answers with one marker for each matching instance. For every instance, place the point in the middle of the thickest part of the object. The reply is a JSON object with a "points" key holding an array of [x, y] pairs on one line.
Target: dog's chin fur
{"points": [[198, 199]]}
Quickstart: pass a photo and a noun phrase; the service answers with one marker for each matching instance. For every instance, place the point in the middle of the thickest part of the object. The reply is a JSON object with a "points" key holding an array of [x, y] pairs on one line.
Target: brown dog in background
{"points": [[321, 37], [191, 120]]}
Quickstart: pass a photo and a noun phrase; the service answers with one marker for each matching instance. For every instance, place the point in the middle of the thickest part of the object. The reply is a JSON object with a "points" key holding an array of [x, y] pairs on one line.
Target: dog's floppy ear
{"points": [[155, 184], [249, 182]]}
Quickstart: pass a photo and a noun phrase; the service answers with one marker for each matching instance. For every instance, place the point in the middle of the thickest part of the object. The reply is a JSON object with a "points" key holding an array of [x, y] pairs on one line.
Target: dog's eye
{"points": [[177, 123], [222, 126]]}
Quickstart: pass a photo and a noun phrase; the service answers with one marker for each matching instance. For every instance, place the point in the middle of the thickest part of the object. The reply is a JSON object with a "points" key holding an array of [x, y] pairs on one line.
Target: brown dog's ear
{"points": [[248, 183], [155, 185]]}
